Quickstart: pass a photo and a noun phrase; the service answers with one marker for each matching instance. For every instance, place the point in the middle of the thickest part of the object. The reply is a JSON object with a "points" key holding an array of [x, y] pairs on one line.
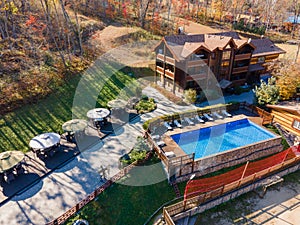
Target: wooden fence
{"points": [[266, 116], [196, 201], [95, 193]]}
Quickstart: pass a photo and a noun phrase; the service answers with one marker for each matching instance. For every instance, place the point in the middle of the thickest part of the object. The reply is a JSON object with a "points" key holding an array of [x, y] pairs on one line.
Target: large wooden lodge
{"points": [[191, 61]]}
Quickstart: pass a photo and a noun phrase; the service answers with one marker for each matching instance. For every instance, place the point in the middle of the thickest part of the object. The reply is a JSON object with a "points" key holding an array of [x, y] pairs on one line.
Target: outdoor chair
{"points": [[40, 155], [9, 177], [19, 169]]}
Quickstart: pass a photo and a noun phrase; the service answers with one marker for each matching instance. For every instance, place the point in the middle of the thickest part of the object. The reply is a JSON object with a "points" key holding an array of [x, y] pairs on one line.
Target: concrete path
{"points": [[69, 184]]}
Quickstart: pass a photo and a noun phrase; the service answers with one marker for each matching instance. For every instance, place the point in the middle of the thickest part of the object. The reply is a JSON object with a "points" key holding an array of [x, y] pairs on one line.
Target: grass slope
{"points": [[127, 205], [48, 115]]}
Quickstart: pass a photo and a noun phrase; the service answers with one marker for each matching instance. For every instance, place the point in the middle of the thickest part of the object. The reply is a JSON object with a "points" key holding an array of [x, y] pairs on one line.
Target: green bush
{"points": [[144, 106], [267, 93], [138, 152], [144, 97], [190, 96]]}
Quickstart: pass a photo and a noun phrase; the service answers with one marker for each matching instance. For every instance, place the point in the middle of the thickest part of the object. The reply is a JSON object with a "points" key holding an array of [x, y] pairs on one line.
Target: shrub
{"points": [[145, 105], [267, 93], [190, 96], [138, 152], [144, 97]]}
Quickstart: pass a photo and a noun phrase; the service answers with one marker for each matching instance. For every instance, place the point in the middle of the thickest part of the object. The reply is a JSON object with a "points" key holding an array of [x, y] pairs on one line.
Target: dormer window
{"points": [[296, 124]]}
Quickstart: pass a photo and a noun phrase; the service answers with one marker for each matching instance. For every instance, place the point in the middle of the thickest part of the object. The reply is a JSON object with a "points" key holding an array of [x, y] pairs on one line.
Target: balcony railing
{"points": [[168, 59], [160, 69], [242, 56], [200, 62], [240, 69], [168, 73], [196, 77]]}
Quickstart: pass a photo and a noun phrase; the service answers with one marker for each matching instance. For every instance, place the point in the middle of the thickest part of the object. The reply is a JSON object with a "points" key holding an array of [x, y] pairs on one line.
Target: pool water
{"points": [[220, 138]]}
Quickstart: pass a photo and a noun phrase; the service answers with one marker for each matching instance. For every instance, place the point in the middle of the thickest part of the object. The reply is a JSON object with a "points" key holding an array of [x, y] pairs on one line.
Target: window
{"points": [[226, 55], [261, 60], [296, 124], [213, 55]]}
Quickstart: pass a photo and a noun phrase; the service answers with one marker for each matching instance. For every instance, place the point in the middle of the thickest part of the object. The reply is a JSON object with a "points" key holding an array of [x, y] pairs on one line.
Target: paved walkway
{"points": [[69, 184]]}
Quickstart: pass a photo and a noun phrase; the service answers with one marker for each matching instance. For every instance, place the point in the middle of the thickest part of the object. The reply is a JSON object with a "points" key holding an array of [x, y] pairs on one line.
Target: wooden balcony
{"points": [[160, 57], [160, 70], [240, 69], [242, 56], [196, 77], [201, 62], [169, 74], [169, 60]]}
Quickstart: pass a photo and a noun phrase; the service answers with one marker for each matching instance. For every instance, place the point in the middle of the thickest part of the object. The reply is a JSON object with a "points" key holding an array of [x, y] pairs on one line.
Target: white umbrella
{"points": [[117, 103], [10, 159], [44, 141], [98, 113], [74, 125]]}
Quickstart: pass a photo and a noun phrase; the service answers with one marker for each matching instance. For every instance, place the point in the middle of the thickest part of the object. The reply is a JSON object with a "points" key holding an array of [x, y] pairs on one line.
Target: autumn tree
{"points": [[287, 77], [267, 93]]}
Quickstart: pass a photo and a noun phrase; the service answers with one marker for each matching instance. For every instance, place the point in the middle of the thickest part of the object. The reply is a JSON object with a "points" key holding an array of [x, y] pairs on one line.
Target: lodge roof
{"points": [[184, 45], [265, 47]]}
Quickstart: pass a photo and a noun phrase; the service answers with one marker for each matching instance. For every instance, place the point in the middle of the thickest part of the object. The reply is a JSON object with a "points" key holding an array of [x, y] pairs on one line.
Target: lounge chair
{"points": [[161, 143], [209, 118], [217, 115], [170, 154], [197, 117], [225, 113], [188, 121], [167, 125], [155, 137], [177, 124]]}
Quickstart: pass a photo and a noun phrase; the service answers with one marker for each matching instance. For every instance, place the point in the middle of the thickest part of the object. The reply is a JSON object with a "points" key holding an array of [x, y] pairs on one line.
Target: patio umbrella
{"points": [[44, 141], [10, 159], [98, 113], [74, 125], [117, 103]]}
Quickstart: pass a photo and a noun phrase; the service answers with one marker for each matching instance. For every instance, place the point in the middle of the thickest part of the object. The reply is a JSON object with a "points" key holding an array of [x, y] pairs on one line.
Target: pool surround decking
{"points": [[218, 161], [172, 146]]}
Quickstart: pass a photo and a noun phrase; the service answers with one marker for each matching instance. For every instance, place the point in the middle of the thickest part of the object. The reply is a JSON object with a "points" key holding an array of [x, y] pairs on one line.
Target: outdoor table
{"points": [[44, 141], [75, 125], [98, 113], [10, 159]]}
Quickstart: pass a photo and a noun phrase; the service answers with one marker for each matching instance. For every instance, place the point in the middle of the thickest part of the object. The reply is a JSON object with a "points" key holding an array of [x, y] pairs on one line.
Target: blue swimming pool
{"points": [[220, 138]]}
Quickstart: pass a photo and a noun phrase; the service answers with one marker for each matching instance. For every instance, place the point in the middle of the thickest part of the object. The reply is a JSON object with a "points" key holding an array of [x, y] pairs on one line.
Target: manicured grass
{"points": [[123, 204], [19, 127]]}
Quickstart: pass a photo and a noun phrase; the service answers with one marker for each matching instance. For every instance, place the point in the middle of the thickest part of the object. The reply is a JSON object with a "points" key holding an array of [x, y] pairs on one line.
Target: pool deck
{"points": [[172, 146]]}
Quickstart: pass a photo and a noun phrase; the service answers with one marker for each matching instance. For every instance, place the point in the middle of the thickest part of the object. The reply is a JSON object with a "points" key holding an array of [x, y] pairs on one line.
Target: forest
{"points": [[43, 43]]}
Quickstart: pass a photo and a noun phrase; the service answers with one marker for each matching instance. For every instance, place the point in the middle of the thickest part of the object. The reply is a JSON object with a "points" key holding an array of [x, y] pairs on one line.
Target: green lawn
{"points": [[127, 205], [94, 88]]}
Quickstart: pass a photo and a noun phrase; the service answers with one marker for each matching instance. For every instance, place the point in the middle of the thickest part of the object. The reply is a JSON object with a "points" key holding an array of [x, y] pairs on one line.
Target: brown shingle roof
{"points": [[265, 47], [183, 45]]}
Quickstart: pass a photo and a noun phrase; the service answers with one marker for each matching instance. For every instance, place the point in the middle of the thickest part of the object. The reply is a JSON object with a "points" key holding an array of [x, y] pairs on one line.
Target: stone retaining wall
{"points": [[230, 158]]}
